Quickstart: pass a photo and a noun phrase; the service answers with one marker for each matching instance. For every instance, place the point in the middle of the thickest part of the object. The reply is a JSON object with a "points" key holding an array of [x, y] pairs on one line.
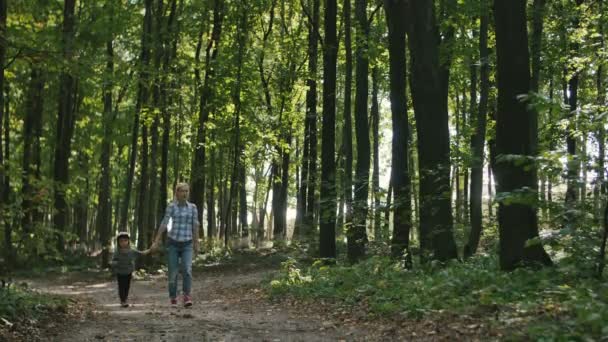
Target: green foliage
{"points": [[19, 302], [551, 303]]}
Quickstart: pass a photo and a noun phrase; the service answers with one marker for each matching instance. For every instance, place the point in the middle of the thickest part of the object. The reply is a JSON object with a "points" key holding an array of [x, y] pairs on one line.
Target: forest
{"points": [[455, 148]]}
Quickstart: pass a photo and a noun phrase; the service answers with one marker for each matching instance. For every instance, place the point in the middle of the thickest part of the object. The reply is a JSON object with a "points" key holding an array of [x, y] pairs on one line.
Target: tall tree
{"points": [[104, 217], [517, 218], [357, 235], [3, 47], [327, 234], [400, 177], [572, 99], [429, 94], [32, 131], [65, 123], [206, 93], [347, 130], [375, 116], [478, 138], [309, 157], [142, 99]]}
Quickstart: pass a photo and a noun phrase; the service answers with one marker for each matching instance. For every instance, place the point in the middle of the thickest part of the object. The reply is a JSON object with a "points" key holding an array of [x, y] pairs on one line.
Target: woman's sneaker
{"points": [[173, 301], [187, 301]]}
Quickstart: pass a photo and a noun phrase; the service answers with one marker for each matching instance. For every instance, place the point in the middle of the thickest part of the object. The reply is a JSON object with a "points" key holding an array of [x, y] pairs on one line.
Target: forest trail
{"points": [[228, 306]]}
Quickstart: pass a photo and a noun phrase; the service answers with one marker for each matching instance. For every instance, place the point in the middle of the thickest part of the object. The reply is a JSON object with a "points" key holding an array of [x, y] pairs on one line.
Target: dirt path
{"points": [[228, 307]]}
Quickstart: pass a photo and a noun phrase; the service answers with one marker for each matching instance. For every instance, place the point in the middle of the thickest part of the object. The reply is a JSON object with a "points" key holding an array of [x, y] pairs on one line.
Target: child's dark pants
{"points": [[124, 282]]}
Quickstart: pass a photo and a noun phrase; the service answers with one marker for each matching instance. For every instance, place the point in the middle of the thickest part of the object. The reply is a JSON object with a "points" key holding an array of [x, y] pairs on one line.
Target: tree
{"points": [[429, 95], [327, 234], [357, 236], [478, 138], [400, 177], [65, 124], [516, 180]]}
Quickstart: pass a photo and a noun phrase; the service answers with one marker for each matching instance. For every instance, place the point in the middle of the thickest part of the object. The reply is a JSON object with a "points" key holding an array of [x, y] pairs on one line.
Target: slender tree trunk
{"points": [[429, 93], [400, 175], [478, 139], [167, 100], [600, 183], [206, 93], [104, 217], [327, 233], [375, 113], [536, 43], [6, 193], [142, 99], [8, 243], [347, 131], [309, 158], [517, 221], [65, 126], [211, 217], [357, 234], [573, 162], [31, 147]]}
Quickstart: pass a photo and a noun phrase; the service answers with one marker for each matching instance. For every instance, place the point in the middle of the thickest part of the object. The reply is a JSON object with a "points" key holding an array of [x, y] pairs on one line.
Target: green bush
{"points": [[18, 302], [552, 303]]}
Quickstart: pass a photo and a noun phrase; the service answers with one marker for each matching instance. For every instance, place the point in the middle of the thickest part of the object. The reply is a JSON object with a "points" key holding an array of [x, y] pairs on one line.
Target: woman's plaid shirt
{"points": [[183, 219]]}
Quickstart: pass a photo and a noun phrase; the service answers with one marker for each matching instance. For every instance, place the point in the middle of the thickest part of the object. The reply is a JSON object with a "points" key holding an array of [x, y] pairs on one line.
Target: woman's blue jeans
{"points": [[175, 251]]}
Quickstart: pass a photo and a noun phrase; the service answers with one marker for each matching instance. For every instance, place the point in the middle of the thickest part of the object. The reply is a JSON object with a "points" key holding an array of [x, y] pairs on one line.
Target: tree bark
{"points": [[65, 126], [104, 216], [430, 106], [32, 129], [327, 233], [517, 219], [357, 235], [206, 94], [478, 139], [375, 113], [142, 100], [400, 175], [347, 131]]}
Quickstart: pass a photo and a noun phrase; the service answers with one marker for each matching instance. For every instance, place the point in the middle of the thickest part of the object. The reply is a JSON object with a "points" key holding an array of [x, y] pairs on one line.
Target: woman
{"points": [[182, 241]]}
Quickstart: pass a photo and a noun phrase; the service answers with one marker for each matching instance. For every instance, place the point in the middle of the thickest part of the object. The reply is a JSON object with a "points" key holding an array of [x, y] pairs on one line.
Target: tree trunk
{"points": [[32, 129], [211, 217], [478, 139], [536, 43], [357, 234], [309, 158], [65, 126], [517, 220], [167, 100], [375, 113], [573, 162], [8, 244], [104, 216], [347, 131], [142, 99], [206, 94], [430, 107], [327, 233], [400, 175], [601, 134], [6, 194]]}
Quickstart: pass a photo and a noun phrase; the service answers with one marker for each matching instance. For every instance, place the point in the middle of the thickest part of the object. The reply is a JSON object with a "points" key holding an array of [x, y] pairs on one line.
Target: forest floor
{"points": [[230, 304]]}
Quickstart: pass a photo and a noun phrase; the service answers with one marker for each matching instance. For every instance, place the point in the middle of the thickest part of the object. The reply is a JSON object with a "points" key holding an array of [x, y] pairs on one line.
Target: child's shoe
{"points": [[173, 301]]}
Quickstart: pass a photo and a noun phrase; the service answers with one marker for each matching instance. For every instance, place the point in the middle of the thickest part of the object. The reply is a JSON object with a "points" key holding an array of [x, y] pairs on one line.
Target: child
{"points": [[123, 264]]}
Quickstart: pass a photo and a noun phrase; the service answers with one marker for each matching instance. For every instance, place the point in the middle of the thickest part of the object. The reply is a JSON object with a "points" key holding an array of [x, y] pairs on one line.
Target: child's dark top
{"points": [[123, 261]]}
